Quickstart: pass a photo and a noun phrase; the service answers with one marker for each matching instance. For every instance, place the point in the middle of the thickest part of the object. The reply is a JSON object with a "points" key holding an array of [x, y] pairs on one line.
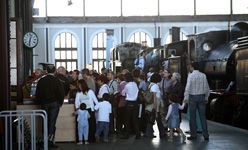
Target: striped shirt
{"points": [[197, 84]]}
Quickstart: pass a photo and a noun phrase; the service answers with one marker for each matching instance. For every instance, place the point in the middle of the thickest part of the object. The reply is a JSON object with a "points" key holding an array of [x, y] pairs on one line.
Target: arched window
{"points": [[66, 51], [142, 38], [99, 51]]}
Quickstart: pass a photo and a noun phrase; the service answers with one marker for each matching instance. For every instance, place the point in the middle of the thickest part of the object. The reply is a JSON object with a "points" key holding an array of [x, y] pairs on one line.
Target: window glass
{"points": [[65, 54], [94, 54], [58, 64], [102, 7], [57, 54], [68, 40], [100, 54], [204, 7], [63, 64], [74, 54], [69, 65], [74, 42], [142, 38], [95, 66], [39, 8], [176, 7], [140, 7], [73, 65], [68, 54], [100, 40], [94, 43], [65, 7], [57, 41], [240, 6], [99, 50], [62, 40]]}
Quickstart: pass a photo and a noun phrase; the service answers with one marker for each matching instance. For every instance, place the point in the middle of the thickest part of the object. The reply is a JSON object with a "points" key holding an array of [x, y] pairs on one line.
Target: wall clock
{"points": [[30, 39]]}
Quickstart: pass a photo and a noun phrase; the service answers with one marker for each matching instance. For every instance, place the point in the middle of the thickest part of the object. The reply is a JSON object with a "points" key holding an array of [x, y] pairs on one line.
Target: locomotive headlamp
{"points": [[207, 46]]}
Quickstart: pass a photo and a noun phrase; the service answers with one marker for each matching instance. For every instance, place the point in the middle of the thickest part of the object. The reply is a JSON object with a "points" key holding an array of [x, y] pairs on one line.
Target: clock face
{"points": [[30, 39]]}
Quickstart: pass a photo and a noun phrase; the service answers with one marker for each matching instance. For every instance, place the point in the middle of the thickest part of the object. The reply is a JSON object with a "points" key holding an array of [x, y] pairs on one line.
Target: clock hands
{"points": [[29, 41]]}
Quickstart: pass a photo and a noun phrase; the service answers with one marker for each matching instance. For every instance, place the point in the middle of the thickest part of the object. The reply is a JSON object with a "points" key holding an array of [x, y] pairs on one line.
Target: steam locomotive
{"points": [[223, 57]]}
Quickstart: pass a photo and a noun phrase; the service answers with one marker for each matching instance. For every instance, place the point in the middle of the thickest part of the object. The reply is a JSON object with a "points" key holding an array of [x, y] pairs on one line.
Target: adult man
{"points": [[50, 94], [37, 75], [61, 75], [139, 62], [88, 79], [197, 93], [113, 90]]}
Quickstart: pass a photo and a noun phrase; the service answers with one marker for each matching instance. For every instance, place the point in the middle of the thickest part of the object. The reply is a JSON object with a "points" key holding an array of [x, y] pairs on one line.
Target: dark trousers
{"points": [[120, 119], [160, 125], [92, 125], [132, 117], [52, 110]]}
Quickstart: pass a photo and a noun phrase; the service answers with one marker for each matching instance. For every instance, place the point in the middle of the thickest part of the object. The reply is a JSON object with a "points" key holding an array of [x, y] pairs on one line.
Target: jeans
{"points": [[52, 110], [83, 131], [198, 121], [197, 103], [102, 127]]}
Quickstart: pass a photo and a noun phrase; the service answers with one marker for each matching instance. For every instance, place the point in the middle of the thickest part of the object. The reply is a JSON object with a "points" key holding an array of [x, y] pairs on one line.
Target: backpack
{"points": [[148, 96]]}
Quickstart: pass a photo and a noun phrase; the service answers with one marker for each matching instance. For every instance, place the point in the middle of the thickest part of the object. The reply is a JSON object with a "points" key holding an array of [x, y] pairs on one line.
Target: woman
{"points": [[131, 92], [87, 96], [121, 105], [158, 102], [177, 89]]}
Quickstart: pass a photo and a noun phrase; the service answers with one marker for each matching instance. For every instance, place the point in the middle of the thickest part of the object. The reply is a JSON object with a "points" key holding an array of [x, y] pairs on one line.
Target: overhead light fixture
{"points": [[69, 3]]}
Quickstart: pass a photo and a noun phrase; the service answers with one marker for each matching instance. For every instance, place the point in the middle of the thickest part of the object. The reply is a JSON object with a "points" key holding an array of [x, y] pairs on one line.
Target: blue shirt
{"points": [[140, 62]]}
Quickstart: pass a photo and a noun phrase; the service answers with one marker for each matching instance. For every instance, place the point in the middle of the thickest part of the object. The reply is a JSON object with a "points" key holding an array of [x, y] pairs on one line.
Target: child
{"points": [[104, 110], [173, 115], [83, 125]]}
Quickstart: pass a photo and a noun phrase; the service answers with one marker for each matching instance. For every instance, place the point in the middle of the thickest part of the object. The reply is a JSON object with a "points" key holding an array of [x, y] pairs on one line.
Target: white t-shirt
{"points": [[89, 99], [130, 91], [103, 89], [104, 109], [155, 88]]}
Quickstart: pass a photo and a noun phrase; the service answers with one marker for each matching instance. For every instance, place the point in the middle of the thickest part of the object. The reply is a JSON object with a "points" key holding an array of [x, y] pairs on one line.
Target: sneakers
{"points": [[79, 143]]}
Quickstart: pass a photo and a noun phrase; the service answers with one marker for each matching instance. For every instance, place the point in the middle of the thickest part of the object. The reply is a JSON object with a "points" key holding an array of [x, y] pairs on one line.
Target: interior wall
{"points": [[47, 33]]}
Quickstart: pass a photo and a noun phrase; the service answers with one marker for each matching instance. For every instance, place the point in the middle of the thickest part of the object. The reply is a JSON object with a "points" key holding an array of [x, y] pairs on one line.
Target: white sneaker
{"points": [[79, 143], [86, 143]]}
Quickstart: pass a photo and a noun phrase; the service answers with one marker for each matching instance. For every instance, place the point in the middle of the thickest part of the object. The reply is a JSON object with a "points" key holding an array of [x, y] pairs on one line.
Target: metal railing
{"points": [[17, 120]]}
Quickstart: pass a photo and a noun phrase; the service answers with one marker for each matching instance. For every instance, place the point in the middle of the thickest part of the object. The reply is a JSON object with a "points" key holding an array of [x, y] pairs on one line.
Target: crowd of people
{"points": [[108, 103]]}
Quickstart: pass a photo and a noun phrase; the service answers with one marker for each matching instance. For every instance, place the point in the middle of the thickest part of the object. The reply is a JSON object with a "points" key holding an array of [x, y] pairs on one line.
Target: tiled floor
{"points": [[222, 137]]}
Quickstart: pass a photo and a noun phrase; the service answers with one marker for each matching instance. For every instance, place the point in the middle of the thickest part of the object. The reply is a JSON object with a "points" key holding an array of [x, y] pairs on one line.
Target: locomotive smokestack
{"points": [[175, 34], [157, 42]]}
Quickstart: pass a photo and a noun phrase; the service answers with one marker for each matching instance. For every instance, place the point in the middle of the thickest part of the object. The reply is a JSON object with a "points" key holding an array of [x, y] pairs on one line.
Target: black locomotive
{"points": [[223, 57]]}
